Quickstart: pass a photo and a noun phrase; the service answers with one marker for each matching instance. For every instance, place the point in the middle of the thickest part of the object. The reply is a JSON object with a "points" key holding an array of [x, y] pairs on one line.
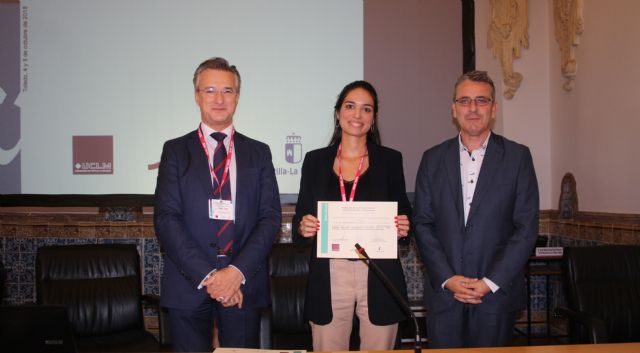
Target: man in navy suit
{"points": [[476, 222], [216, 215]]}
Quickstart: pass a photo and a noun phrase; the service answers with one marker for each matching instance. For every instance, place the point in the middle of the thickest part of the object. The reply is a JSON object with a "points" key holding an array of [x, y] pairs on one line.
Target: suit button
{"points": [[213, 245]]}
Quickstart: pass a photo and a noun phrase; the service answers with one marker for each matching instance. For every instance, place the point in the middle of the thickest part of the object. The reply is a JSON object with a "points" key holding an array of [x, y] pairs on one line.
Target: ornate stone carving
{"points": [[568, 204], [567, 15], [508, 33]]}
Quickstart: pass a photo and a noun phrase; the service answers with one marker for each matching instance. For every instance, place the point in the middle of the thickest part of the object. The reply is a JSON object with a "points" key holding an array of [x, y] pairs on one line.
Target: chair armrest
{"points": [[164, 336], [265, 329], [596, 328]]}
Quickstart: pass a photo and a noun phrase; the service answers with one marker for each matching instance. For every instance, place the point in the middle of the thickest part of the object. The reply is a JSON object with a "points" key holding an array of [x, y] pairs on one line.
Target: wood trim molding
{"points": [[605, 228], [609, 228]]}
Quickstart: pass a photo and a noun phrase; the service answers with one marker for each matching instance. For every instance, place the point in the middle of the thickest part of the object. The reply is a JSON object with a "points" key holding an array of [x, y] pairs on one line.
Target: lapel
{"points": [[199, 163], [324, 172], [241, 152], [490, 164], [374, 160], [451, 162]]}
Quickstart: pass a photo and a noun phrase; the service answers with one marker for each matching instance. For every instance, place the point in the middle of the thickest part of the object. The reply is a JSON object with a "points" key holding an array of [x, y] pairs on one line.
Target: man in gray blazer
{"points": [[476, 222]]}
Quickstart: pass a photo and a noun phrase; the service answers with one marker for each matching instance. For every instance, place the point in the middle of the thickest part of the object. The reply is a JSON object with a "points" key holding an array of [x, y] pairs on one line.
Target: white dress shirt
{"points": [[211, 147], [470, 164]]}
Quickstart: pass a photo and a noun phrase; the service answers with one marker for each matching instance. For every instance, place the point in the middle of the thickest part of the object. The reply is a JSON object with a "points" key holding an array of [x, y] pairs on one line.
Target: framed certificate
{"points": [[370, 224]]}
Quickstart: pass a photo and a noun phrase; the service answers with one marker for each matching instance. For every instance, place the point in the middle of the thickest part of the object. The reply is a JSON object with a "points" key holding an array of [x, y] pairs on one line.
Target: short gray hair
{"points": [[216, 64], [476, 76]]}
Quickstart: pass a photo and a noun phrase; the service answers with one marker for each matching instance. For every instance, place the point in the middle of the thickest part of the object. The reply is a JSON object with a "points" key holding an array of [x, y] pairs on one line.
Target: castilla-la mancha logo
{"points": [[293, 149]]}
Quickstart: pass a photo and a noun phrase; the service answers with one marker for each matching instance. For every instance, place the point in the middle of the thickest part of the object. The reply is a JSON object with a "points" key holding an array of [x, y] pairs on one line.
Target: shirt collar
{"points": [[483, 147], [207, 131]]}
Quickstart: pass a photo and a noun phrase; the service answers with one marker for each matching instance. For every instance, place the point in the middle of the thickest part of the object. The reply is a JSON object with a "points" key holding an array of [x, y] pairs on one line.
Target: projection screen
{"points": [[90, 90]]}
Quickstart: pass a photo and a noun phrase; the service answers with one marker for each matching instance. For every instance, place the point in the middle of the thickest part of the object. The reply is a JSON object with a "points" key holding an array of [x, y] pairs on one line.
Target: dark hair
{"points": [[215, 64], [476, 76], [373, 134]]}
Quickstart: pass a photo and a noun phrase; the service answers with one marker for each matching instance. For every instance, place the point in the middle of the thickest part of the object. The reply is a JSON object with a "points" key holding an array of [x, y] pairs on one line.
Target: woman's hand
{"points": [[309, 226], [402, 224]]}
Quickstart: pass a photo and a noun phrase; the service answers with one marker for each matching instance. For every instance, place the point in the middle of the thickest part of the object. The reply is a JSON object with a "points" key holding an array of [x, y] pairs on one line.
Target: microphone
{"points": [[395, 294]]}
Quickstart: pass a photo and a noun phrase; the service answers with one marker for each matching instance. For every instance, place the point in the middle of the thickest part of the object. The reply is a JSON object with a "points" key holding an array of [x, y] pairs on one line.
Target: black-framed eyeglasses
{"points": [[480, 101]]}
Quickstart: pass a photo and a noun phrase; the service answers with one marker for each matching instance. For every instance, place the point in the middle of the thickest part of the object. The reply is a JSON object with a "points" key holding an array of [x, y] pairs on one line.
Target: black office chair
{"points": [[31, 328], [283, 325], [101, 287], [603, 293], [2, 276]]}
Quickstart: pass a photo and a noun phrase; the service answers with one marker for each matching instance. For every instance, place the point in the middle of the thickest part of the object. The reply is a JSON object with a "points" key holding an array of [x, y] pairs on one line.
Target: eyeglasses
{"points": [[480, 101], [210, 91]]}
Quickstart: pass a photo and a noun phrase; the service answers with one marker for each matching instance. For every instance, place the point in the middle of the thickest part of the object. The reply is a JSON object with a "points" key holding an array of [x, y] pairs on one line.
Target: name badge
{"points": [[221, 209]]}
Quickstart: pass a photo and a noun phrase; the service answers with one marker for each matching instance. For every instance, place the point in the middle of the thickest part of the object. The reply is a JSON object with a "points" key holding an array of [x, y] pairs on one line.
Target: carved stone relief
{"points": [[568, 204], [508, 33], [569, 24]]}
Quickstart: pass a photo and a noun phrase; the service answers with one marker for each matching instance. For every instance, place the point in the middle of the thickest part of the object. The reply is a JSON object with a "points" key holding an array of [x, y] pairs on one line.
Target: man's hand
{"points": [[467, 290], [235, 299], [224, 284], [479, 286]]}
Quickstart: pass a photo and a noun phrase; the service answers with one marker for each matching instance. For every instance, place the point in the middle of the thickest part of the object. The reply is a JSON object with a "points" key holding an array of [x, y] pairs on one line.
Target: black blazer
{"points": [[387, 184]]}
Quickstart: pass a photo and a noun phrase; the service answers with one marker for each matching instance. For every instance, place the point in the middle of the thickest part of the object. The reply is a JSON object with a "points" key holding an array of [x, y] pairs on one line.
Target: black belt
{"points": [[219, 251]]}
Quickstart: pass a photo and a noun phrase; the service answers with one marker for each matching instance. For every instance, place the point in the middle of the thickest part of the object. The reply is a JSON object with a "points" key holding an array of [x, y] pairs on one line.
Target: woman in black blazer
{"points": [[353, 167]]}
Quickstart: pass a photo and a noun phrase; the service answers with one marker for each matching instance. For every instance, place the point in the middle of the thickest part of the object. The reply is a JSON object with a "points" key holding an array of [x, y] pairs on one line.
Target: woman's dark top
{"points": [[382, 181]]}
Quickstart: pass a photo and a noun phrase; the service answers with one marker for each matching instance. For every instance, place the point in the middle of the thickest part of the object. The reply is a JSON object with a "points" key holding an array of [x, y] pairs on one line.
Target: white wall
{"points": [[414, 76], [596, 125], [590, 130]]}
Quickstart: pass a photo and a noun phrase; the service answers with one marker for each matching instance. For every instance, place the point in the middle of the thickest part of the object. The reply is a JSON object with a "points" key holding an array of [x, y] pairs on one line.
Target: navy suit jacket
{"points": [[186, 233], [501, 229]]}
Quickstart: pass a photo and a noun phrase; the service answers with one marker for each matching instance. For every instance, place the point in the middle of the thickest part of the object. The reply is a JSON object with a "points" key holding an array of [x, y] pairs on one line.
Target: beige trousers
{"points": [[349, 293]]}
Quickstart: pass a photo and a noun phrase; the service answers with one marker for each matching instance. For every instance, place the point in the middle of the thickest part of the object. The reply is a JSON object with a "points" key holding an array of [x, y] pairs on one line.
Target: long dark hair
{"points": [[373, 135]]}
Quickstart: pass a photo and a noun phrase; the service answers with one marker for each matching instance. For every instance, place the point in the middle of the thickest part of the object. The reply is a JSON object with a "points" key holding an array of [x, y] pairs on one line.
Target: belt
{"points": [[219, 251]]}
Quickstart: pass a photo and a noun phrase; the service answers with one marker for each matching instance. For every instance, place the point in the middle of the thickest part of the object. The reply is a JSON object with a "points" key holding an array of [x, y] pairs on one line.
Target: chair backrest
{"points": [[289, 259], [2, 276], [604, 281], [288, 272], [100, 284]]}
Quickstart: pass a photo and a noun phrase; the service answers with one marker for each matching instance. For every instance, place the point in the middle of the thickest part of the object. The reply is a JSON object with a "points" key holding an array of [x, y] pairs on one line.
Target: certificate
{"points": [[370, 224]]}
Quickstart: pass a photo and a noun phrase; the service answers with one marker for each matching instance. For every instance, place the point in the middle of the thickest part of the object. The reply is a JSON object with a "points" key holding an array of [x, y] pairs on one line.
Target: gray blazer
{"points": [[501, 229]]}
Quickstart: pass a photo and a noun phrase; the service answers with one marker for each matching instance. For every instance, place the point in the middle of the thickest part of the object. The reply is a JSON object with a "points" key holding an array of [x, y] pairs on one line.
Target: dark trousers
{"points": [[192, 330], [464, 325]]}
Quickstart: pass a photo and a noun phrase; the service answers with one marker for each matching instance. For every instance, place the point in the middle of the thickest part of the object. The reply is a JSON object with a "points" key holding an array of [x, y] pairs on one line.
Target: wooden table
{"points": [[569, 348]]}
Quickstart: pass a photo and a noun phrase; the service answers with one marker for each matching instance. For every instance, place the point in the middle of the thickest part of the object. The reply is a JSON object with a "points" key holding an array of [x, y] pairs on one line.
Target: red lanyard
{"points": [[225, 174], [355, 181]]}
